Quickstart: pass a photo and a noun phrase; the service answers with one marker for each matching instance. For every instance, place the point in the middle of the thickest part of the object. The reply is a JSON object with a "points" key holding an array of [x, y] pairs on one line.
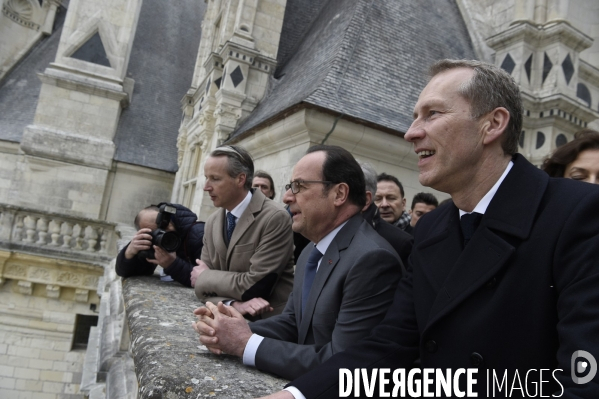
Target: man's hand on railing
{"points": [[226, 331], [255, 306]]}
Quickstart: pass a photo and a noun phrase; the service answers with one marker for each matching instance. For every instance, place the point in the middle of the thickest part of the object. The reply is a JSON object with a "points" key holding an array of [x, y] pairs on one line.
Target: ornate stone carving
{"points": [[227, 110], [40, 274], [21, 12], [15, 271], [181, 146], [69, 279], [90, 282]]}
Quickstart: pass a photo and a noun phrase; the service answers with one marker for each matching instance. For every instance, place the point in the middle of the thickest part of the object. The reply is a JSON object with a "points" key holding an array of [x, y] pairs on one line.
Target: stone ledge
{"points": [[169, 360]]}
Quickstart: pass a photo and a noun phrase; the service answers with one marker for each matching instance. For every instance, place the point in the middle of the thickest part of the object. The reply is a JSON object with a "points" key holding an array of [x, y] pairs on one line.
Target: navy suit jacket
{"points": [[523, 294], [352, 290]]}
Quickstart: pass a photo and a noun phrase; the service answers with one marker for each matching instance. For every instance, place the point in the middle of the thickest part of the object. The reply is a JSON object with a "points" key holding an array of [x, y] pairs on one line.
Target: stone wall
{"points": [[115, 195], [131, 188], [36, 333], [277, 148], [8, 159], [50, 266]]}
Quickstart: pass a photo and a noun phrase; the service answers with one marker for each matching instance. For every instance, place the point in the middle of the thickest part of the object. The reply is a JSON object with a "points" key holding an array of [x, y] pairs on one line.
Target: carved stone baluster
{"points": [[78, 231], [104, 236], [66, 230], [30, 223], [18, 232], [91, 236], [42, 230], [54, 232]]}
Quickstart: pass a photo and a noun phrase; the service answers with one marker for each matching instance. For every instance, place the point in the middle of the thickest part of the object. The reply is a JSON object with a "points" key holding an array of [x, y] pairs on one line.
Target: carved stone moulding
{"points": [[55, 276]]}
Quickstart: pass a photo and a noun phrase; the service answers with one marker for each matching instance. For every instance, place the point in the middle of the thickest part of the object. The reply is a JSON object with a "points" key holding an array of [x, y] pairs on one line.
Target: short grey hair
{"points": [[240, 161], [369, 177], [490, 87]]}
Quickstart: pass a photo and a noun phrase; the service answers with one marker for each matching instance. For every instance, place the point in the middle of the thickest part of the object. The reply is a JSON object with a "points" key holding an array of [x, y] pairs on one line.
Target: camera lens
{"points": [[169, 241]]}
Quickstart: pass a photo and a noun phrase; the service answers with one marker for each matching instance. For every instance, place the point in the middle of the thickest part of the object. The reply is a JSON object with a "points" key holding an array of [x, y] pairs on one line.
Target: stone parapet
{"points": [[108, 369], [169, 360]]}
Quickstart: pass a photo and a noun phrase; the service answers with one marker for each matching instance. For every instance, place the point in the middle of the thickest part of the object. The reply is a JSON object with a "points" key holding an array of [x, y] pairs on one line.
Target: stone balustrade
{"points": [[53, 234]]}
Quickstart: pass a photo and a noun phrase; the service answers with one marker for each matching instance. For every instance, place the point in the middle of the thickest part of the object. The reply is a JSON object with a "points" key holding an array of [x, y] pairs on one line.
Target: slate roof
{"points": [[366, 59], [20, 88], [162, 63]]}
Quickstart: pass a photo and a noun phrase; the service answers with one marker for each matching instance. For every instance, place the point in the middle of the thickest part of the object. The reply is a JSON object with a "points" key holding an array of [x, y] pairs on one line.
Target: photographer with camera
{"points": [[168, 235]]}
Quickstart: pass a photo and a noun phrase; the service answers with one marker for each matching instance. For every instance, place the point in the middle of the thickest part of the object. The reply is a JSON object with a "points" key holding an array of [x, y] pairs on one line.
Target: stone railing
{"points": [[144, 346], [170, 362], [54, 234]]}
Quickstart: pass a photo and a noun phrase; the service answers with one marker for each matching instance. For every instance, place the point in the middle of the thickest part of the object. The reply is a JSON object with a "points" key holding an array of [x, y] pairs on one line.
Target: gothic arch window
{"points": [[583, 93], [521, 139], [540, 140], [190, 175], [560, 140]]}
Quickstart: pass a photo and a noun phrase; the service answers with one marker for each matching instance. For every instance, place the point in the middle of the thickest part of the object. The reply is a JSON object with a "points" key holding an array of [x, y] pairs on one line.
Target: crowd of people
{"points": [[502, 276]]}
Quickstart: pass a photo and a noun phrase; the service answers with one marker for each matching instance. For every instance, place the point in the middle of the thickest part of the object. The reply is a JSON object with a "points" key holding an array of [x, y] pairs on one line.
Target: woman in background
{"points": [[578, 159]]}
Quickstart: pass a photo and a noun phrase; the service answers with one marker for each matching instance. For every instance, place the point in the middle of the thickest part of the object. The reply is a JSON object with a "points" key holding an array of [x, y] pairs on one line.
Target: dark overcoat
{"points": [[523, 294]]}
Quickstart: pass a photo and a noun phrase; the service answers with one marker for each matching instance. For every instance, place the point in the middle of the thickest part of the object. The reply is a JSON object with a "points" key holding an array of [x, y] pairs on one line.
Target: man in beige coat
{"points": [[247, 259]]}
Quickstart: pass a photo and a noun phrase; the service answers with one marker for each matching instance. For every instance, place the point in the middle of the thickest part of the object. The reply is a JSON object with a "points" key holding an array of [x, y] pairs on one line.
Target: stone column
{"points": [[69, 147]]}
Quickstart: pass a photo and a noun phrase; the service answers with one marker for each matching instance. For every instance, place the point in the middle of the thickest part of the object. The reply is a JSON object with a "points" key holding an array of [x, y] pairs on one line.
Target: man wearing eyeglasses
{"points": [[247, 259], [344, 281]]}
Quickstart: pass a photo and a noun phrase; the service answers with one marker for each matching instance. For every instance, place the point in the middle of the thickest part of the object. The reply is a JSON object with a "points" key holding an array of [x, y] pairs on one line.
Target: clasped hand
{"points": [[222, 329]]}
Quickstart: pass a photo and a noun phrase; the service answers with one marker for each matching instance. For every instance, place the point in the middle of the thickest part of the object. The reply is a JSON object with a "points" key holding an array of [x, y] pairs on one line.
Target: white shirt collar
{"points": [[324, 243], [242, 206], [483, 204]]}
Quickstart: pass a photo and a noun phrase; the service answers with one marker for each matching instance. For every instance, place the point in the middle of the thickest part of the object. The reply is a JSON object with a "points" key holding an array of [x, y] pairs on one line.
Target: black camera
{"points": [[167, 240]]}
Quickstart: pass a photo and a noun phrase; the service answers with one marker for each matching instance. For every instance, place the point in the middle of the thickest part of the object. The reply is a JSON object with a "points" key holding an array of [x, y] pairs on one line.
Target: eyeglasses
{"points": [[296, 184]]}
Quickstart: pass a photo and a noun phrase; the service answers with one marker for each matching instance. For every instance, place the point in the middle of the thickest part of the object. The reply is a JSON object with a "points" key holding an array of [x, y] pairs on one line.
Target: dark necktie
{"points": [[469, 223], [309, 274], [230, 226]]}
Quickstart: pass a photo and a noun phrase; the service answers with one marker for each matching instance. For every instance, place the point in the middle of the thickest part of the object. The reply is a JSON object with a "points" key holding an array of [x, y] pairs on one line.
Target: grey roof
{"points": [[162, 64], [299, 17], [20, 88], [365, 59]]}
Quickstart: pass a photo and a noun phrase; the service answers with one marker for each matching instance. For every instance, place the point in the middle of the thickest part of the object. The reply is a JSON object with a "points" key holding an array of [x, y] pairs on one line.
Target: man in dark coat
{"points": [[177, 264], [400, 240], [503, 281]]}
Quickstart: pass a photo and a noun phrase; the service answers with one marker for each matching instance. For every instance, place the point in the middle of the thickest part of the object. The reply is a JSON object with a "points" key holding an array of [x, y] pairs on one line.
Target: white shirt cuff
{"points": [[295, 392], [249, 353], [228, 302]]}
